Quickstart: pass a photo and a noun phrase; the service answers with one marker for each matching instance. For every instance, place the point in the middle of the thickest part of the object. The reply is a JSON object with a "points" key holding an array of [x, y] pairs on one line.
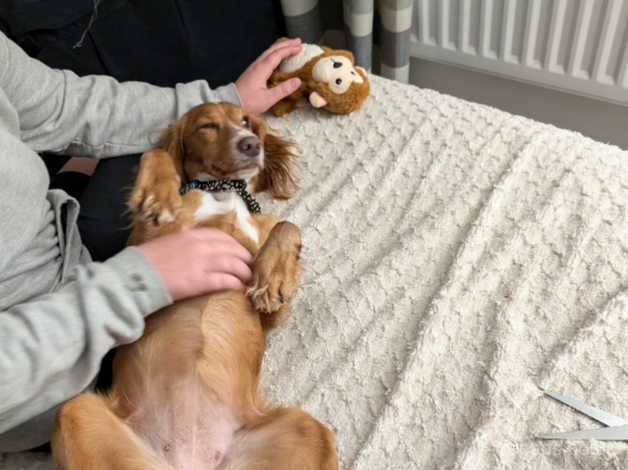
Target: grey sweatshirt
{"points": [[59, 312]]}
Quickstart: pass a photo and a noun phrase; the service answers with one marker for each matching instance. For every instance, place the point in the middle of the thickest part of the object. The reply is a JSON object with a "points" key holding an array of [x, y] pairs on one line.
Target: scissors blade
{"points": [[612, 433], [595, 413]]}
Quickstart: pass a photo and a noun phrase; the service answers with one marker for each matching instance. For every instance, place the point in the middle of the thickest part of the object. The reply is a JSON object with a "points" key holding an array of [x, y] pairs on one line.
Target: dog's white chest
{"points": [[294, 63], [213, 204]]}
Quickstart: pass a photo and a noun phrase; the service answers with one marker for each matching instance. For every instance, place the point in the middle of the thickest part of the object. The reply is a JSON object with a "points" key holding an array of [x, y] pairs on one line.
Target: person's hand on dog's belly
{"points": [[255, 96], [198, 261]]}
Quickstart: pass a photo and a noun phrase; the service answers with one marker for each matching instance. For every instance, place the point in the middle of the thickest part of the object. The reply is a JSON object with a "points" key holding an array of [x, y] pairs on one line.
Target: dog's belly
{"points": [[193, 442], [190, 380]]}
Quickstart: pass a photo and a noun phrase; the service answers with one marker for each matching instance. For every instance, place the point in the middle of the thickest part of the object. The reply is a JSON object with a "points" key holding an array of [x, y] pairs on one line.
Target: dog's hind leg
{"points": [[88, 436], [285, 439]]}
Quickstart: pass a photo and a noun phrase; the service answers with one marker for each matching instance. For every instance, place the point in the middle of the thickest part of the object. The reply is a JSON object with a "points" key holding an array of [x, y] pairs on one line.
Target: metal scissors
{"points": [[616, 427]]}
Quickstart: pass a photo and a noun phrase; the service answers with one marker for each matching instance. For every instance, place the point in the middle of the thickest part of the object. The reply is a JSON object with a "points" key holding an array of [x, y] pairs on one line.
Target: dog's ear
{"points": [[278, 175], [171, 141]]}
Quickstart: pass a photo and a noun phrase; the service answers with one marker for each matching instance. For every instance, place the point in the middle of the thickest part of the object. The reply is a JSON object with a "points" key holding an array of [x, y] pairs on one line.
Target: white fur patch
{"points": [[202, 176], [294, 63], [214, 204]]}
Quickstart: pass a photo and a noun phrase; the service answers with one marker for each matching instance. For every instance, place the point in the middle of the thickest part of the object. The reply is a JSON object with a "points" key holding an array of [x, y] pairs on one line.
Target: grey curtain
{"points": [[394, 19]]}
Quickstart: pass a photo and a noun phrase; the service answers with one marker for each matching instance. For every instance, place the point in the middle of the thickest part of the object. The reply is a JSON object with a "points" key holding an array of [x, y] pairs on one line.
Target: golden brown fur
{"points": [[185, 395], [343, 103]]}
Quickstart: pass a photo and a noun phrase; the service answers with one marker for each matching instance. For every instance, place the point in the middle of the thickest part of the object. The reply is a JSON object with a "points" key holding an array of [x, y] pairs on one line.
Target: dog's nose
{"points": [[249, 146]]}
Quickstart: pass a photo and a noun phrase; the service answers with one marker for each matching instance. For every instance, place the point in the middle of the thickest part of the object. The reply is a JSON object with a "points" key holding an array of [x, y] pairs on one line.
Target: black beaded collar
{"points": [[220, 186]]}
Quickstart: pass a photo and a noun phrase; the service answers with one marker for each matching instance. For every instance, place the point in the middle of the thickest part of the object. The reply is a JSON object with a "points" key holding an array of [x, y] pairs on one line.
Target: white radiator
{"points": [[577, 46]]}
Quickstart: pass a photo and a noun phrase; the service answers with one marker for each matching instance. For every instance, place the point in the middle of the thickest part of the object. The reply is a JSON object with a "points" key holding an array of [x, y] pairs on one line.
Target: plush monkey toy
{"points": [[329, 80]]}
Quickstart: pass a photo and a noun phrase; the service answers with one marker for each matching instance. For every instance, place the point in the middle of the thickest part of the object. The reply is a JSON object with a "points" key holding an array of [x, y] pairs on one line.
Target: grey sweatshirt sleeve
{"points": [[93, 115], [71, 330]]}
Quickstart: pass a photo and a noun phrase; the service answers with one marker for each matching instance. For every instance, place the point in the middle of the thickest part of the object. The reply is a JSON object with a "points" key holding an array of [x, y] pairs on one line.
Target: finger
{"points": [[227, 264], [229, 247], [222, 281], [282, 90], [220, 242], [272, 61], [279, 45], [211, 234], [236, 250]]}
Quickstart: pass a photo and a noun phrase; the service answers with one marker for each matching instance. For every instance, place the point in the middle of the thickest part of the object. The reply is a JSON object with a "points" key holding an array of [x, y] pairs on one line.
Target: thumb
{"points": [[284, 89]]}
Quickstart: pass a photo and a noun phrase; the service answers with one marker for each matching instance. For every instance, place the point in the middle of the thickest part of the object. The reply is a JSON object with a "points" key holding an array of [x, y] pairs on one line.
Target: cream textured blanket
{"points": [[457, 258]]}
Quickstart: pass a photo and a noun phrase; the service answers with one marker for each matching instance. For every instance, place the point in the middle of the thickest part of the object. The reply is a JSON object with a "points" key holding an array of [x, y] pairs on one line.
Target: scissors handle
{"points": [[599, 415], [612, 433]]}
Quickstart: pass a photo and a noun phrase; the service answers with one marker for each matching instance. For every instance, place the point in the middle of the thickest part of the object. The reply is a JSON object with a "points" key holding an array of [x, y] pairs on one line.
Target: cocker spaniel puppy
{"points": [[185, 395]]}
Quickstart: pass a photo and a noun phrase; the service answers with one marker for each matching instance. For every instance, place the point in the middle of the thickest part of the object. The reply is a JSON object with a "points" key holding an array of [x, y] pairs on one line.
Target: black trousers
{"points": [[103, 219], [162, 42]]}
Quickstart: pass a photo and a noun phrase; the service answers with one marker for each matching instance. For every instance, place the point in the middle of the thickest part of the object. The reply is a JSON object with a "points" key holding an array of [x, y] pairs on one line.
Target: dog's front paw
{"points": [[158, 202], [277, 270], [266, 297], [155, 196]]}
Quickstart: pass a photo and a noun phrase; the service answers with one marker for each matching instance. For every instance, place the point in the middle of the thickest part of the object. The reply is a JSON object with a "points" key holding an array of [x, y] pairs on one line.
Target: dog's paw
{"points": [[266, 297], [276, 270], [159, 204], [156, 200]]}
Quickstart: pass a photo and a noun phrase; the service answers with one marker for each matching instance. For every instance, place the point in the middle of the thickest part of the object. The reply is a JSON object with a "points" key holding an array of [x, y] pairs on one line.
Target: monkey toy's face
{"points": [[338, 72], [340, 86]]}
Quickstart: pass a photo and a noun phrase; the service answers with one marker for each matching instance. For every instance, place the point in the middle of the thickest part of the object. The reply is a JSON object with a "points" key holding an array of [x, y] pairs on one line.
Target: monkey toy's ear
{"points": [[317, 100]]}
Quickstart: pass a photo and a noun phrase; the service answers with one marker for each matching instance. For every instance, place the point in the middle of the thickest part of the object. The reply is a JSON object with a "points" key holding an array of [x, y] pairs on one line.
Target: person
{"points": [[60, 312], [162, 43]]}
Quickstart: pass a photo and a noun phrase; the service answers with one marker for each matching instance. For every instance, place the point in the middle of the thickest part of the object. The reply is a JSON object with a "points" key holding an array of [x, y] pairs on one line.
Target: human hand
{"points": [[198, 261], [255, 96]]}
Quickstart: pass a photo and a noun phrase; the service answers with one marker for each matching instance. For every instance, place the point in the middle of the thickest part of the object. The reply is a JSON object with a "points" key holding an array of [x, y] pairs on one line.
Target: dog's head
{"points": [[221, 140]]}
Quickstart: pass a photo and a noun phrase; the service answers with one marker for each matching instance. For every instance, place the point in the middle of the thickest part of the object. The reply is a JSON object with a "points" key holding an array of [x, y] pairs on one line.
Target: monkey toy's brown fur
{"points": [[343, 103]]}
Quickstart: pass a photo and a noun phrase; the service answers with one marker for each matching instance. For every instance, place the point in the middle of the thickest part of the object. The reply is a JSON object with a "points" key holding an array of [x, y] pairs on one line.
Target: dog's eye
{"points": [[246, 122], [338, 81], [209, 125], [337, 65]]}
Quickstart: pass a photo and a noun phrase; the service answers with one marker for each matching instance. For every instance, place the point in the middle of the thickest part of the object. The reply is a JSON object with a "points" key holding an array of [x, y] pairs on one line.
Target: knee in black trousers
{"points": [[104, 221]]}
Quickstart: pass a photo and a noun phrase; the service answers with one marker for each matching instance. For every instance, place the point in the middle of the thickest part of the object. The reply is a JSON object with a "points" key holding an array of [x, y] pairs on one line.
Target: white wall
{"points": [[600, 120]]}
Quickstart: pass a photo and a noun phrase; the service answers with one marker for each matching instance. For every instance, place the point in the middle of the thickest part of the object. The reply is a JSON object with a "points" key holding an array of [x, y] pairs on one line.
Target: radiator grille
{"points": [[574, 45]]}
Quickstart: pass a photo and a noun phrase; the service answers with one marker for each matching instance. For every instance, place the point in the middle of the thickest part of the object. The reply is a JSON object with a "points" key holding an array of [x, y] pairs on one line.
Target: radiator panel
{"points": [[577, 46]]}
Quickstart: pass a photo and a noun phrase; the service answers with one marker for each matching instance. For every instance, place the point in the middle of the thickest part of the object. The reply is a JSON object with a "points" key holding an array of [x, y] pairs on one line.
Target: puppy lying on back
{"points": [[185, 395]]}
